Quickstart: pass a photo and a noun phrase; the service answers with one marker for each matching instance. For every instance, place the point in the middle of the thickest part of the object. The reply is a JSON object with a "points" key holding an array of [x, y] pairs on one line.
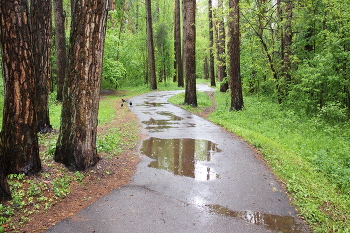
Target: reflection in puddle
{"points": [[270, 221], [153, 104], [170, 122], [184, 157]]}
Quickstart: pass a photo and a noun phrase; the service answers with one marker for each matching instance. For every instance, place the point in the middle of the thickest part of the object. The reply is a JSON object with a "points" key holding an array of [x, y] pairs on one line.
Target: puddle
{"points": [[183, 157], [153, 104], [172, 121], [270, 221]]}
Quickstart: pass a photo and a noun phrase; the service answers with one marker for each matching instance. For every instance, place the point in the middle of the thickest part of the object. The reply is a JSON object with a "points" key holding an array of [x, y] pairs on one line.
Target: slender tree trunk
{"points": [[178, 55], [206, 68], [150, 45], [189, 15], [286, 49], [76, 145], [41, 23], [211, 45], [234, 53], [61, 54], [221, 37], [19, 141]]}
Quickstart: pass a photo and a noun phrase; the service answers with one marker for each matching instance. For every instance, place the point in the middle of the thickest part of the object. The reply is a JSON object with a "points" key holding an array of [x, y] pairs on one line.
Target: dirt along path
{"points": [[193, 177]]}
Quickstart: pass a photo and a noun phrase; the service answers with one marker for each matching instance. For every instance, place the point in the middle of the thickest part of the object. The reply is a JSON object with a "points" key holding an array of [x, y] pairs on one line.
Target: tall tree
{"points": [[211, 45], [234, 54], [177, 44], [221, 53], [286, 49], [41, 25], [189, 17], [150, 45], [19, 140], [61, 54], [76, 145]]}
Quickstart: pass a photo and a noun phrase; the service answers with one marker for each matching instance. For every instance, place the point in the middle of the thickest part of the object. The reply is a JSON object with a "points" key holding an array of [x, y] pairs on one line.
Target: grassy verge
{"points": [[310, 156], [39, 193]]}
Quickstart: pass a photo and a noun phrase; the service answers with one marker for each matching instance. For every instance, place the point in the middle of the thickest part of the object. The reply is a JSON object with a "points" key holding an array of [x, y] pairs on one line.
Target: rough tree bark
{"points": [[150, 45], [41, 25], [177, 36], [61, 54], [5, 193], [19, 141], [234, 54], [76, 145], [189, 15], [211, 45]]}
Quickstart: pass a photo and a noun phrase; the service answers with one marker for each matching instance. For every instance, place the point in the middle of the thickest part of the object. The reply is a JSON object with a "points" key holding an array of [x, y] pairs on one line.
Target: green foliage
{"points": [[309, 154], [61, 186]]}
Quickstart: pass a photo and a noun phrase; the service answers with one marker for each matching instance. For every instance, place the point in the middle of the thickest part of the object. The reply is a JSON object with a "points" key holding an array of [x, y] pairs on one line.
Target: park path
{"points": [[193, 177]]}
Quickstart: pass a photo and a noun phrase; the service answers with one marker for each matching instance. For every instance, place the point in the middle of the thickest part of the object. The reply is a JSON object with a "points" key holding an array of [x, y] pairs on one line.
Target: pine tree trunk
{"points": [[234, 53], [221, 38], [41, 35], [211, 45], [19, 141], [178, 55], [286, 49], [61, 54], [150, 44], [189, 15], [76, 145]]}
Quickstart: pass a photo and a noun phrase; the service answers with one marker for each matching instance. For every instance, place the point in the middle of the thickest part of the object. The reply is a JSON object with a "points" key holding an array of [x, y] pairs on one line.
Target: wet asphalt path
{"points": [[193, 177]]}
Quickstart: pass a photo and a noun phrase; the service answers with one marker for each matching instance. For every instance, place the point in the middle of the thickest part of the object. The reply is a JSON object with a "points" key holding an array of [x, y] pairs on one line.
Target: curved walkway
{"points": [[193, 177]]}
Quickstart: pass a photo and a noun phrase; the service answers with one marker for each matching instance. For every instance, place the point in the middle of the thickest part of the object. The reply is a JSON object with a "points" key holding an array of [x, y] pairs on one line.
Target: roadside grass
{"points": [[38, 193], [203, 101], [309, 155]]}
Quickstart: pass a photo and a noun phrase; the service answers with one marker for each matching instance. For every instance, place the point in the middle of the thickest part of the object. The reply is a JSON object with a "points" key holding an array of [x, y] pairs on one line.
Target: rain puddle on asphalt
{"points": [[183, 157], [170, 121], [270, 221]]}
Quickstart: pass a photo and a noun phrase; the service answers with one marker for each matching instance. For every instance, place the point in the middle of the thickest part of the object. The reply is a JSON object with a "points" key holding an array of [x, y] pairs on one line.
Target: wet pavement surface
{"points": [[193, 177]]}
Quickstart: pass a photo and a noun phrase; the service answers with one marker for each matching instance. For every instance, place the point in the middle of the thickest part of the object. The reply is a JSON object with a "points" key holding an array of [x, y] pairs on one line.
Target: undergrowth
{"points": [[310, 155], [40, 192]]}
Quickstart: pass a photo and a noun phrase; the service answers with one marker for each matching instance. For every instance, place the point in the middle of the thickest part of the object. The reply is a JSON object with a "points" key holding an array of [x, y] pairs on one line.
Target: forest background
{"points": [[295, 71]]}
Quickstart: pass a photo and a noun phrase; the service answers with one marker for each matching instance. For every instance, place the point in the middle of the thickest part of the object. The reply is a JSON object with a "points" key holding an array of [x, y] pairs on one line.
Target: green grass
{"points": [[309, 155], [203, 101]]}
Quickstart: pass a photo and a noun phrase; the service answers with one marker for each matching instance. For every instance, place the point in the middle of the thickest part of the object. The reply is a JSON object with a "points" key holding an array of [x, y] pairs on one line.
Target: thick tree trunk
{"points": [[76, 145], [5, 193], [178, 55], [150, 45], [19, 141], [211, 45], [41, 35], [61, 54], [189, 15], [234, 53]]}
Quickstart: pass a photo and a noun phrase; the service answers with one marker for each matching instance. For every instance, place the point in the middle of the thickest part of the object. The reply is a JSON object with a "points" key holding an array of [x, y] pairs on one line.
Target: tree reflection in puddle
{"points": [[270, 221], [183, 157]]}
